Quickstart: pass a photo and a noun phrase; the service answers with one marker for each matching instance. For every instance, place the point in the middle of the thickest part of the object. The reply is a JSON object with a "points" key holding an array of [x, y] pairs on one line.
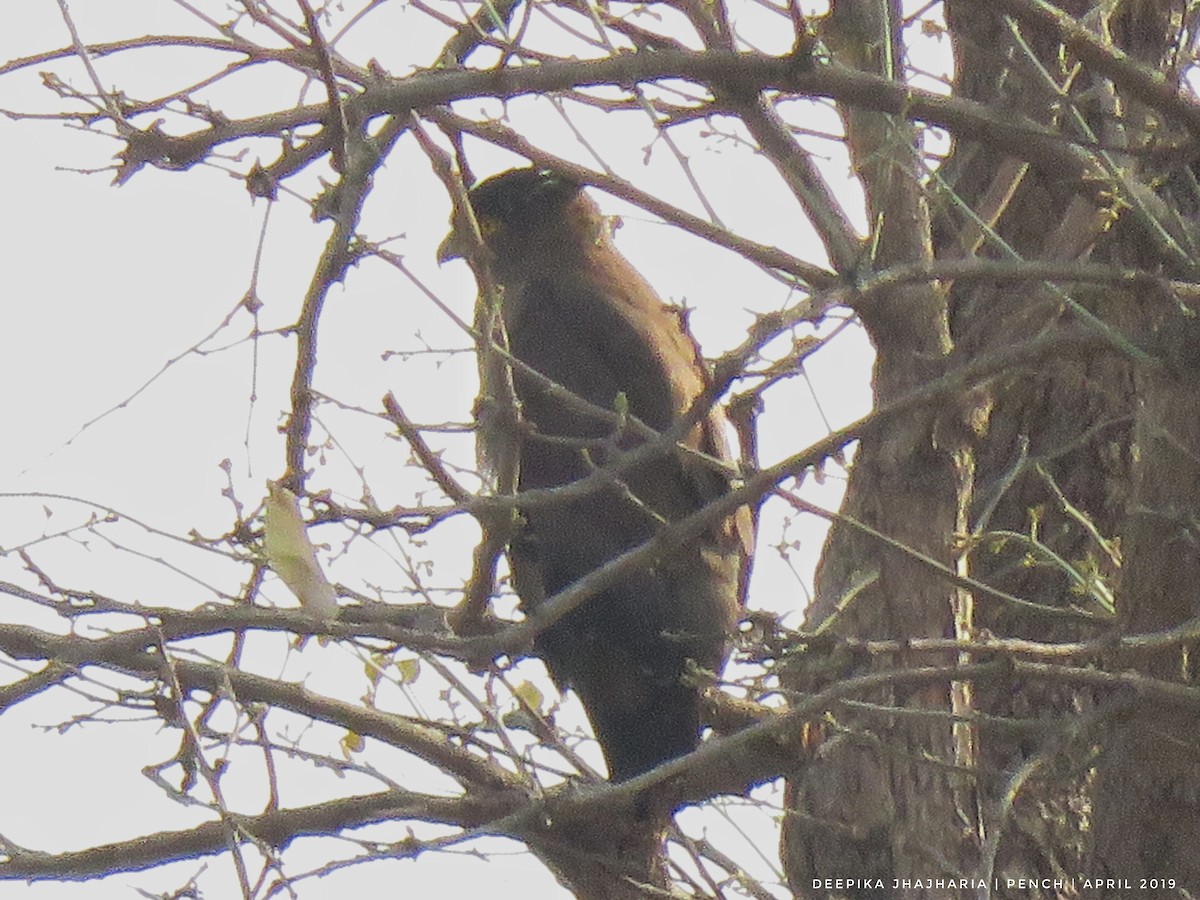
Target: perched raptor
{"points": [[577, 312]]}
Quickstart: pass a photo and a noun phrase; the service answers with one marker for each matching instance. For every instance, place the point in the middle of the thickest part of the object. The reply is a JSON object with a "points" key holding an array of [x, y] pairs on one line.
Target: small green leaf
{"points": [[527, 692], [352, 742], [409, 669]]}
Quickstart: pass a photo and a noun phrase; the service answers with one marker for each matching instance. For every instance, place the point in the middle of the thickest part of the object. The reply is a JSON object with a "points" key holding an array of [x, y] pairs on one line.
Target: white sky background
{"points": [[103, 286]]}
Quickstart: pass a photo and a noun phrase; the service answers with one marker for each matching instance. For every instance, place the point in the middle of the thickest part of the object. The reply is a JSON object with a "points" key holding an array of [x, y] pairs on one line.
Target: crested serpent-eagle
{"points": [[576, 311]]}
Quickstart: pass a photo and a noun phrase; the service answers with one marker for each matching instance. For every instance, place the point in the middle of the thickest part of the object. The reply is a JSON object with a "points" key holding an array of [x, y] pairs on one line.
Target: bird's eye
{"points": [[552, 188]]}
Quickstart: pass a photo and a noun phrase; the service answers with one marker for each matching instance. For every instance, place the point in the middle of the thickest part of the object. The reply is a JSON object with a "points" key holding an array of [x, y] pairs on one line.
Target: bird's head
{"points": [[526, 214]]}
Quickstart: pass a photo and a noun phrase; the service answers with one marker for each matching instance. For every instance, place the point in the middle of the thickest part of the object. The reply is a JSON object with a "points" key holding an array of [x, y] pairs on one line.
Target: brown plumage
{"points": [[577, 312]]}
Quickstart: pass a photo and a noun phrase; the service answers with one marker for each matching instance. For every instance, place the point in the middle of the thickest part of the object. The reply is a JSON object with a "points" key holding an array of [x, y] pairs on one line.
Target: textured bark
{"points": [[869, 807], [618, 857], [1061, 426], [1148, 788], [1063, 457]]}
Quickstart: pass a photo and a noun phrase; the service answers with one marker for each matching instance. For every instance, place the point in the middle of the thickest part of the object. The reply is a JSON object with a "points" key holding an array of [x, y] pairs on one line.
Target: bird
{"points": [[578, 316]]}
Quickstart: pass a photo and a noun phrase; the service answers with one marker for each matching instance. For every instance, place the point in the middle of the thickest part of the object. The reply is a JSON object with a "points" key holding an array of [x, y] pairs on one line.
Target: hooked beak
{"points": [[450, 248]]}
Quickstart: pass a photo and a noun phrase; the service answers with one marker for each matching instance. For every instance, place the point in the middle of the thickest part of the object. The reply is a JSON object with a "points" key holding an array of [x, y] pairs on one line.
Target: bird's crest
{"points": [[521, 197]]}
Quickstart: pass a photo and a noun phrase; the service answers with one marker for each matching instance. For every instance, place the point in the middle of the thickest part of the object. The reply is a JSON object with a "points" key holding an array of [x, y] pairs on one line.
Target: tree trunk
{"points": [[1024, 485]]}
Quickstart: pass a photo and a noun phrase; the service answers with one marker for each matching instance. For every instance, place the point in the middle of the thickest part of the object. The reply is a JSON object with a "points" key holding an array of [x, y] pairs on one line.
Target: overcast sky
{"points": [[106, 286]]}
